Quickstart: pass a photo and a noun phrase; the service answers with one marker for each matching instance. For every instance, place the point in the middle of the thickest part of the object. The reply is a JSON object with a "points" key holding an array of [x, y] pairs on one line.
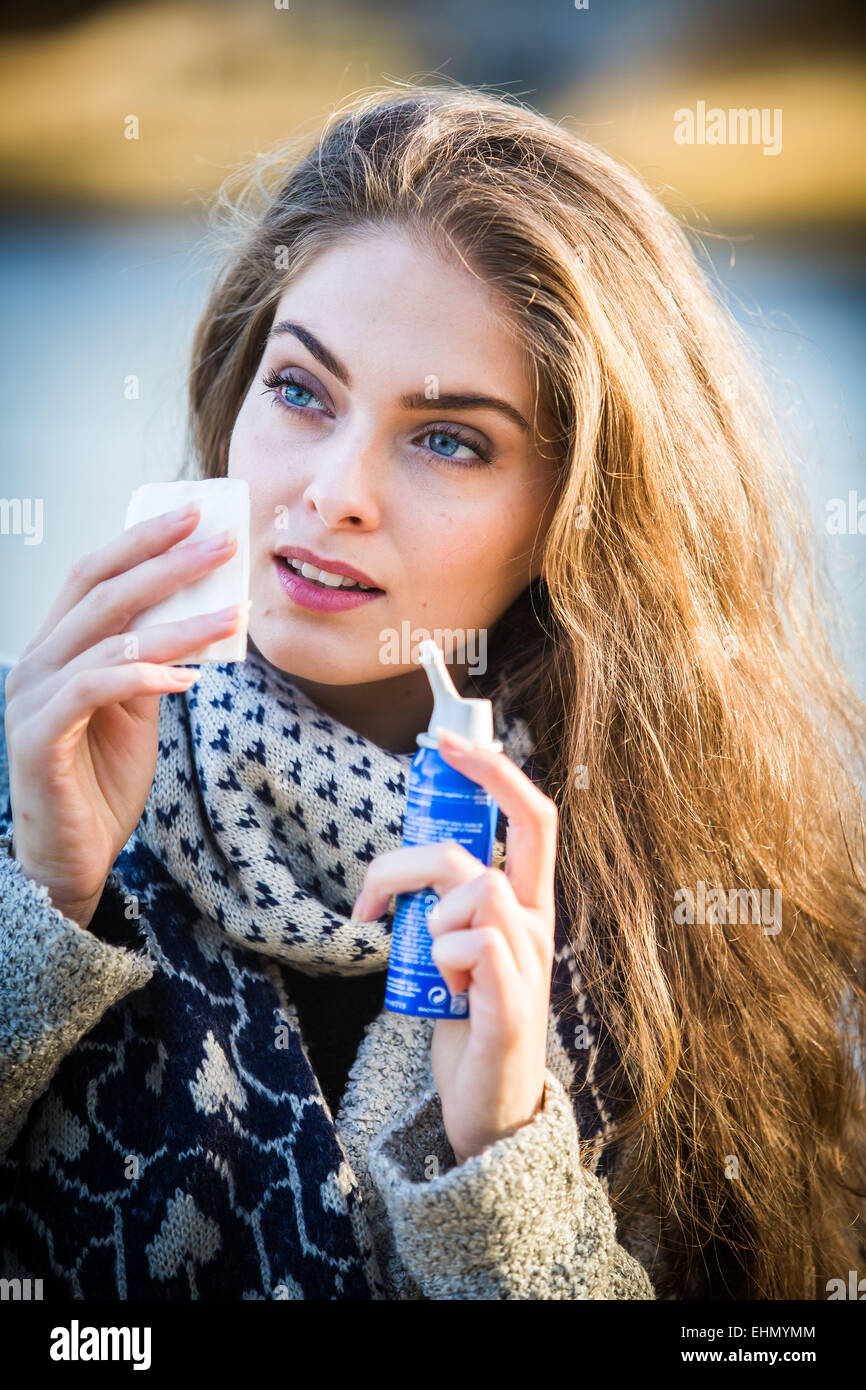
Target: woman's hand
{"points": [[82, 705], [493, 935]]}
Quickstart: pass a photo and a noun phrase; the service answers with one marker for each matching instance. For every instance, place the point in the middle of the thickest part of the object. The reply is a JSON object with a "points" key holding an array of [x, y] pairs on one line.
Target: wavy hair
{"points": [[674, 659]]}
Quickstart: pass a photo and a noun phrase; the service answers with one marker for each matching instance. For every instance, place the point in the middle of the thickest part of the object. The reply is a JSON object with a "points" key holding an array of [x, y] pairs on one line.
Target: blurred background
{"points": [[103, 270]]}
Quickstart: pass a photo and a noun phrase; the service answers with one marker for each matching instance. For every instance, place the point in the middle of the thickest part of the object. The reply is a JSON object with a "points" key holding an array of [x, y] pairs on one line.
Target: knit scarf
{"points": [[266, 812], [184, 1149]]}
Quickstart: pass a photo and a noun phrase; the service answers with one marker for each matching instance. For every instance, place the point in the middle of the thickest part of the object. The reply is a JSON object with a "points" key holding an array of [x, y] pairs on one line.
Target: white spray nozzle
{"points": [[471, 718]]}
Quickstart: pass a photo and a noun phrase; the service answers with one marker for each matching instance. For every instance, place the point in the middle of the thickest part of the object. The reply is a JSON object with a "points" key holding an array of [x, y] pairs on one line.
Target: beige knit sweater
{"points": [[526, 1219]]}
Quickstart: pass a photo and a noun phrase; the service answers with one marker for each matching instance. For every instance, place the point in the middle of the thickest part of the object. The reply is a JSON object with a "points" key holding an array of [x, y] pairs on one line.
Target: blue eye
{"points": [[286, 391], [277, 384], [457, 440], [302, 390]]}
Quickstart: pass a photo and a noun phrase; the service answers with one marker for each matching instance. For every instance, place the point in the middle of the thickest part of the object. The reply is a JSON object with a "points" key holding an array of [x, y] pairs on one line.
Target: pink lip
{"points": [[322, 562], [308, 595]]}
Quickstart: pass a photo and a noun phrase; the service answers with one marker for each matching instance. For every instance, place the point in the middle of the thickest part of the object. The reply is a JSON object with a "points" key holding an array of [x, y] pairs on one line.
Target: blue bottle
{"points": [[441, 804]]}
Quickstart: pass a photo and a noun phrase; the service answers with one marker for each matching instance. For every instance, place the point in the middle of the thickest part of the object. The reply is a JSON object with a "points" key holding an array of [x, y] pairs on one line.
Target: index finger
{"points": [[140, 542], [532, 818]]}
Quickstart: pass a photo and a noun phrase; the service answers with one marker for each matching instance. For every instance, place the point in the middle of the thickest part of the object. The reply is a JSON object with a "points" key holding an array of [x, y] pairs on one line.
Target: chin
{"points": [[307, 659]]}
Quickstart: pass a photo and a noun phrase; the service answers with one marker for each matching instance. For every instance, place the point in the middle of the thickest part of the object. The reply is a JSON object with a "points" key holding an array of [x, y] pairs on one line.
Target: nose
{"points": [[344, 489]]}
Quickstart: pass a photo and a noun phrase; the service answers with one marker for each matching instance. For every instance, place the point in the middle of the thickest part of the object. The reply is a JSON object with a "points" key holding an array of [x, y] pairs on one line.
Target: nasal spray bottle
{"points": [[442, 804]]}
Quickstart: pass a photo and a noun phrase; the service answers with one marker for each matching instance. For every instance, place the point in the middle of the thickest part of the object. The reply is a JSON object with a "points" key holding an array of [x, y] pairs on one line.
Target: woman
{"points": [[468, 361]]}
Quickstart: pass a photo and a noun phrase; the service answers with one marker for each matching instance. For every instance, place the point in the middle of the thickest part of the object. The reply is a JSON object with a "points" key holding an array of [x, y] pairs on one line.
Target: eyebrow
{"points": [[414, 400]]}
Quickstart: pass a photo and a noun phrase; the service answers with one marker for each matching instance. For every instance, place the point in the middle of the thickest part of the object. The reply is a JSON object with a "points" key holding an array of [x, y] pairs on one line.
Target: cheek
{"points": [[255, 457], [248, 466], [248, 447], [468, 548]]}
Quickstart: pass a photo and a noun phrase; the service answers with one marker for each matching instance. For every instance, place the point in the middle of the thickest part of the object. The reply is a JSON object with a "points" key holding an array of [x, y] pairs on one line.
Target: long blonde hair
{"points": [[692, 722]]}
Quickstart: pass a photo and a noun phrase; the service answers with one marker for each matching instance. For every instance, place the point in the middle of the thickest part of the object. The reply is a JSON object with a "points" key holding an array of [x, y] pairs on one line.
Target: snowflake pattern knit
{"points": [[184, 1149]]}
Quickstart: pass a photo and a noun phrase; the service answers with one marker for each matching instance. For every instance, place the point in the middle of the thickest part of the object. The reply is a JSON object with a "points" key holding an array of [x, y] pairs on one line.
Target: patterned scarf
{"points": [[266, 813], [184, 1149]]}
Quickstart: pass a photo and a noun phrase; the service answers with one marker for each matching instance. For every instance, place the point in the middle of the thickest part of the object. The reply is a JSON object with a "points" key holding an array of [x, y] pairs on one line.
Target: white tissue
{"points": [[223, 503]]}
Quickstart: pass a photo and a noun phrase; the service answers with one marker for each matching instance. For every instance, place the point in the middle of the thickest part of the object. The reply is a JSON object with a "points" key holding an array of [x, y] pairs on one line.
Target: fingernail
{"points": [[360, 908], [455, 741], [230, 614], [182, 512], [218, 542]]}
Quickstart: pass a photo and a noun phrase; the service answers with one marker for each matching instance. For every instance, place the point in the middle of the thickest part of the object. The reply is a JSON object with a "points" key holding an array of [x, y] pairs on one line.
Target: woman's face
{"points": [[356, 459]]}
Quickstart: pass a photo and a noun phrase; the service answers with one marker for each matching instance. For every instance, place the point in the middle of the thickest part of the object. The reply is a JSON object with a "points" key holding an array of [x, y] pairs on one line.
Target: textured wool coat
{"points": [[377, 1204]]}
